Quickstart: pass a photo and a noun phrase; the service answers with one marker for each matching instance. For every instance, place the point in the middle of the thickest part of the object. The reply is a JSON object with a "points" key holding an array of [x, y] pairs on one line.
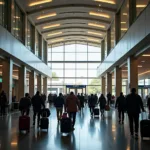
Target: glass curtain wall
{"points": [[124, 17], [105, 46], [30, 36], [140, 5], [74, 64], [2, 12], [37, 43], [18, 20]]}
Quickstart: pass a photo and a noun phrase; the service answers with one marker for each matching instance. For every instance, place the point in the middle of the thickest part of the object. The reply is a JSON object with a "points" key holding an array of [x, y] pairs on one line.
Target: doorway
{"points": [[76, 89]]}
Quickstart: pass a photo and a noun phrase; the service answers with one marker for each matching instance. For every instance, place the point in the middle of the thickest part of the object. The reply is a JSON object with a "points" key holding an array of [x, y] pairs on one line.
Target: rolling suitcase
{"points": [[145, 128], [66, 125], [44, 123], [107, 108], [96, 111], [24, 123]]}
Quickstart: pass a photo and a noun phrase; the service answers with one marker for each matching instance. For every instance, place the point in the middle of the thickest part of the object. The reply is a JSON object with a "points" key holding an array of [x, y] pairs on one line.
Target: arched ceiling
{"points": [[68, 20]]}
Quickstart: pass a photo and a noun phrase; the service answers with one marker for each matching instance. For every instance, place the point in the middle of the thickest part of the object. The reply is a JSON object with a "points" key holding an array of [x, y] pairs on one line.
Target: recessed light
{"points": [[146, 55], [93, 40], [96, 25], [143, 61], [46, 16], [140, 6], [94, 33], [56, 33], [51, 26], [57, 40], [124, 29], [99, 14], [39, 2], [106, 1], [140, 66]]}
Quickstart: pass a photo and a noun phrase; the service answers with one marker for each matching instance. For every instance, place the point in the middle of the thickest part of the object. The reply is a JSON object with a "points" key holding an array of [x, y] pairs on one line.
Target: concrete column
{"points": [[118, 81], [46, 52], [22, 82], [34, 44], [103, 85], [108, 41], [45, 85], [132, 11], [109, 82], [39, 83], [132, 73], [117, 26], [102, 50], [41, 48], [32, 83], [7, 73]]}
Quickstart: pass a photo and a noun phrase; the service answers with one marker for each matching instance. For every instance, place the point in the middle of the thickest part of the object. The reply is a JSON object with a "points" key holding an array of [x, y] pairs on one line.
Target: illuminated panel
{"points": [[39, 2]]}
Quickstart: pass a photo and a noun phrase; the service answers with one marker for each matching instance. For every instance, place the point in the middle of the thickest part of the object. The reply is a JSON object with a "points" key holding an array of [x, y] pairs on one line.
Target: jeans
{"points": [[59, 112], [121, 115], [133, 122], [34, 116], [72, 115]]}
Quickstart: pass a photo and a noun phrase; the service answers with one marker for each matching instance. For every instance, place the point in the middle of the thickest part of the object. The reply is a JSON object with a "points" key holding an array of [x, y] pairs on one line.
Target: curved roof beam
{"points": [[72, 18], [74, 27], [86, 41], [70, 5], [74, 35]]}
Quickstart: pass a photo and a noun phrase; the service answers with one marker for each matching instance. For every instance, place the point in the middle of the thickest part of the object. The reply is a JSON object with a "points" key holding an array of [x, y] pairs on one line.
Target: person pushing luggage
{"points": [[102, 103]]}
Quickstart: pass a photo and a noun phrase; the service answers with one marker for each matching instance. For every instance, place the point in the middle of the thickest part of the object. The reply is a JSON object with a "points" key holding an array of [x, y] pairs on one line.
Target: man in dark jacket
{"points": [[3, 102], [59, 103], [24, 105], [37, 103], [109, 98], [134, 105], [121, 105], [92, 103]]}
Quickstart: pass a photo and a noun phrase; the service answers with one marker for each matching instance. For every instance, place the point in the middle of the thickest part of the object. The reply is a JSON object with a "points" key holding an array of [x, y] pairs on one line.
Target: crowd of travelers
{"points": [[71, 103]]}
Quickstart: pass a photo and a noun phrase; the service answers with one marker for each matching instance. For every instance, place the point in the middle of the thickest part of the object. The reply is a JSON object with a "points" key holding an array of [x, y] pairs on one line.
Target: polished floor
{"points": [[89, 134]]}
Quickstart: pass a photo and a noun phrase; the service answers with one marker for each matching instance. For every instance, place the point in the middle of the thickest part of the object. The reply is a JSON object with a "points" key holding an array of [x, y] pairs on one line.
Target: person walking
{"points": [[109, 98], [3, 102], [148, 105], [121, 106], [82, 101], [72, 105], [24, 104], [102, 103], [134, 105], [59, 103], [37, 103], [92, 104]]}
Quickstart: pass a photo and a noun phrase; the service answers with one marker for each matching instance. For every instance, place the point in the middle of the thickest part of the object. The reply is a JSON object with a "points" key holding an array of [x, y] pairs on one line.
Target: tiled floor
{"points": [[89, 134]]}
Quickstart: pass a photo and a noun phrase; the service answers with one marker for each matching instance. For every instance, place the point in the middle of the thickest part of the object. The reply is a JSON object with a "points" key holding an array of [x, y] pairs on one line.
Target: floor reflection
{"points": [[90, 133]]}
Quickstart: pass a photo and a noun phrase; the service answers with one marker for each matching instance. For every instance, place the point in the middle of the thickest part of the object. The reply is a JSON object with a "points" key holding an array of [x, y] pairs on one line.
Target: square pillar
{"points": [[109, 82], [103, 85], [45, 86], [102, 50], [118, 81], [132, 73], [22, 82], [32, 83], [39, 83], [7, 73]]}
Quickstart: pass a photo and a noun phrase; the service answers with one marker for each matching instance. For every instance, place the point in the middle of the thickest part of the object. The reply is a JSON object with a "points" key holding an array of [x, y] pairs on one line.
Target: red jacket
{"points": [[72, 103]]}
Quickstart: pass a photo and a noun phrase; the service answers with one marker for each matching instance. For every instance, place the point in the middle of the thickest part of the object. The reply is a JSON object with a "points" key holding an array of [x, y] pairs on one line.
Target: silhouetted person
{"points": [[24, 104], [96, 98], [50, 98], [102, 103], [92, 103], [109, 98], [37, 103], [72, 106], [148, 104], [134, 105], [59, 103], [78, 96], [121, 105], [44, 97], [3, 102], [82, 101]]}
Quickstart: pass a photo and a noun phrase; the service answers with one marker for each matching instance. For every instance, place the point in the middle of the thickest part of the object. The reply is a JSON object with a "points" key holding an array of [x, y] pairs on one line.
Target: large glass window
{"points": [[2, 12], [18, 21], [124, 15], [44, 51], [140, 5], [30, 41], [37, 43], [74, 64], [112, 31]]}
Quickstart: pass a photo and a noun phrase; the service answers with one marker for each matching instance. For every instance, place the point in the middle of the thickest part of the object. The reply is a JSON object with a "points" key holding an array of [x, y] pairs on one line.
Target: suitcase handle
{"points": [[146, 117]]}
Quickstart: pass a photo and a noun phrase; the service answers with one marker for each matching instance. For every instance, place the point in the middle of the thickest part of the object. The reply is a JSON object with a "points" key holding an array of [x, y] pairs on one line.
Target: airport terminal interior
{"points": [[80, 46]]}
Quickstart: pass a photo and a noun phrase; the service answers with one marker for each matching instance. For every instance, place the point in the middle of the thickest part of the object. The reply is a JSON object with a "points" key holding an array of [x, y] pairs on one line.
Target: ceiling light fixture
{"points": [[94, 33], [106, 1], [99, 14], [96, 25], [124, 29], [51, 26], [56, 33], [39, 2], [146, 55], [57, 40], [140, 6], [140, 66], [144, 73], [46, 16], [123, 22], [1, 3], [93, 40], [125, 14]]}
